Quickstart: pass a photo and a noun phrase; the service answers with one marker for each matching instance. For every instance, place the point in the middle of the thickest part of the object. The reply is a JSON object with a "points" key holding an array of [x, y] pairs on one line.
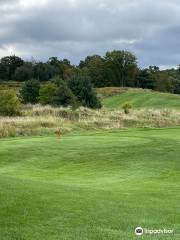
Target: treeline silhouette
{"points": [[115, 68]]}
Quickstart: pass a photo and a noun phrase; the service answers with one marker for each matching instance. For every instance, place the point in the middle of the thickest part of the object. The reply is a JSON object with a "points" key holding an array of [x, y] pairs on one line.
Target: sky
{"points": [[74, 29]]}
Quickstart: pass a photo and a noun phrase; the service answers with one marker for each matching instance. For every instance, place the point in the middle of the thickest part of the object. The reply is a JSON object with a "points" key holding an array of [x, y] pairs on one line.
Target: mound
{"points": [[143, 99]]}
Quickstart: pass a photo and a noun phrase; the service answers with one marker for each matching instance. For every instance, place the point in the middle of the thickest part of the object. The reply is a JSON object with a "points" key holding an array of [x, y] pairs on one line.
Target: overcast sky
{"points": [[74, 29]]}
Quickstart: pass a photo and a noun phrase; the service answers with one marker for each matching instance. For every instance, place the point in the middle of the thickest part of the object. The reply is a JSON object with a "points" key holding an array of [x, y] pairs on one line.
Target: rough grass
{"points": [[38, 120], [143, 99], [10, 85], [96, 185]]}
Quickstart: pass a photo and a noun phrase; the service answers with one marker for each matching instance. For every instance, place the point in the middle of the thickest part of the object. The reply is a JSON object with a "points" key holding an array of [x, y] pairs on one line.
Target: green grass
{"points": [[143, 99], [90, 185]]}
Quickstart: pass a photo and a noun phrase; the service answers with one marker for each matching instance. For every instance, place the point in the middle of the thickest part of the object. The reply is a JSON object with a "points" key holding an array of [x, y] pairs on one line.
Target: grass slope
{"points": [[95, 185], [143, 99]]}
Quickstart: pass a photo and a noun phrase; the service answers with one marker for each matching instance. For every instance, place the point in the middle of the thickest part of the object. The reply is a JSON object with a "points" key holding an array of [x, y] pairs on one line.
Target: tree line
{"points": [[76, 92], [115, 68]]}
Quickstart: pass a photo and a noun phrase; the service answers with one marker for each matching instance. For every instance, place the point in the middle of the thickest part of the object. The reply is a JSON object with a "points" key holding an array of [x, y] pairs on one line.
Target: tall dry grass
{"points": [[110, 91], [37, 120]]}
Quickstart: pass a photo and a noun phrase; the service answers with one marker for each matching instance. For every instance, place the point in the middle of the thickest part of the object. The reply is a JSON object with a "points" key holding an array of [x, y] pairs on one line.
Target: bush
{"points": [[9, 103], [30, 91], [82, 88], [57, 81], [57, 93], [64, 96], [127, 106], [47, 93]]}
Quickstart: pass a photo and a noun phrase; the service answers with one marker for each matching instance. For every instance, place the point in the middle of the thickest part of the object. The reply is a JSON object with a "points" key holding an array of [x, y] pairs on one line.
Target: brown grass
{"points": [[110, 91], [38, 120]]}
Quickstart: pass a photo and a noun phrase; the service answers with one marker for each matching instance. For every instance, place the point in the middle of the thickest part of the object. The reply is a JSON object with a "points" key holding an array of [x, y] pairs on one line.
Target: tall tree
{"points": [[24, 72], [10, 64], [44, 71], [121, 67], [145, 79], [94, 67]]}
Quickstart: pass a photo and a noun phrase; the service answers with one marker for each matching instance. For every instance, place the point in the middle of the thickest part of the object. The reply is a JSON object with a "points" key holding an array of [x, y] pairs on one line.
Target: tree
{"points": [[44, 71], [57, 93], [30, 91], [10, 64], [145, 79], [47, 93], [9, 103], [121, 67], [94, 67], [178, 69], [64, 96], [63, 67], [82, 88], [57, 81], [154, 69], [24, 72], [3, 72], [164, 82], [177, 87]]}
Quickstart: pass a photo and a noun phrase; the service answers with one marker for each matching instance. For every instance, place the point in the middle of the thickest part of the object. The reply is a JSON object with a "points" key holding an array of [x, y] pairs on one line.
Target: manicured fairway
{"points": [[90, 186], [143, 99]]}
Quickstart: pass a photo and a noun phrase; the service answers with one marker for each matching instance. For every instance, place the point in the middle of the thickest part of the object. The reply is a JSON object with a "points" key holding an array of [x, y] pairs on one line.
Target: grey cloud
{"points": [[77, 28]]}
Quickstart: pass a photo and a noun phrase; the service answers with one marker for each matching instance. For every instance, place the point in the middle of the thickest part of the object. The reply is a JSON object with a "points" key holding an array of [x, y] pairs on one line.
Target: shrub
{"points": [[47, 93], [127, 106], [82, 88], [30, 91], [57, 81], [64, 96], [9, 103]]}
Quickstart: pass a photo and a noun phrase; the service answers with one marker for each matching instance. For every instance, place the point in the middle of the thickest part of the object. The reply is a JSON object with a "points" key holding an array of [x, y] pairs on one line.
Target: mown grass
{"points": [[143, 99], [92, 185]]}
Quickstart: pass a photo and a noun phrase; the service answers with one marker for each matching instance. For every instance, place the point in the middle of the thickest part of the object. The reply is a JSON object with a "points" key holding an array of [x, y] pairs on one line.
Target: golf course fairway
{"points": [[92, 185]]}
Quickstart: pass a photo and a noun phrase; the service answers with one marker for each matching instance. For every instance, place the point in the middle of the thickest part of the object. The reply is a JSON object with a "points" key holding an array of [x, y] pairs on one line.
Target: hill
{"points": [[142, 99]]}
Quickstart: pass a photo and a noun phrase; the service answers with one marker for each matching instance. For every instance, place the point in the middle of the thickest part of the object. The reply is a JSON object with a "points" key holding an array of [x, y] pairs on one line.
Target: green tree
{"points": [[57, 80], [3, 72], [64, 96], [44, 71], [145, 79], [94, 67], [9, 103], [177, 87], [47, 93], [64, 67], [24, 72], [30, 91], [82, 88], [10, 64], [164, 82], [121, 68]]}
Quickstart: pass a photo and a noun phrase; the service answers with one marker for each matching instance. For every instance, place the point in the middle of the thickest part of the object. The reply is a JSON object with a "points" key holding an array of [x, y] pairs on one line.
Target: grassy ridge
{"points": [[143, 99], [95, 185]]}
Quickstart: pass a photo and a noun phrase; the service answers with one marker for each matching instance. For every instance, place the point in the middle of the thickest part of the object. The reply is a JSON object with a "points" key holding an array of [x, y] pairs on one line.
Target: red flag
{"points": [[59, 133]]}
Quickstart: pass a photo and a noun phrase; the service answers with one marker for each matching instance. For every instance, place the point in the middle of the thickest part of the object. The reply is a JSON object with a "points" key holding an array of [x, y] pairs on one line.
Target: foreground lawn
{"points": [[143, 99], [94, 185]]}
